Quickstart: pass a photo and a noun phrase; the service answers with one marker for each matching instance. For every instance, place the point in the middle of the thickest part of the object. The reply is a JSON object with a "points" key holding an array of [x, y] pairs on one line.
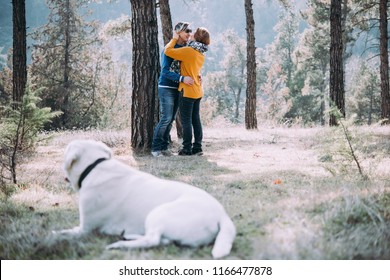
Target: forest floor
{"points": [[293, 193]]}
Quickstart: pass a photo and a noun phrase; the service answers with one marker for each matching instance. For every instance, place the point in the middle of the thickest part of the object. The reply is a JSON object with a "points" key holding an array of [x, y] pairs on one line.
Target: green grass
{"points": [[292, 193]]}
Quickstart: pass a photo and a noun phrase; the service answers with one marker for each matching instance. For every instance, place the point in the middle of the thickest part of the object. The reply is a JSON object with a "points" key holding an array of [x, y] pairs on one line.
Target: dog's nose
{"points": [[67, 180]]}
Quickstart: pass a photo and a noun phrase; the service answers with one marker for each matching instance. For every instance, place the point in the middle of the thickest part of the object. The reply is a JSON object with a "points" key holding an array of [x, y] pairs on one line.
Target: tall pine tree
{"points": [[384, 55], [336, 61], [19, 59], [250, 105], [62, 64]]}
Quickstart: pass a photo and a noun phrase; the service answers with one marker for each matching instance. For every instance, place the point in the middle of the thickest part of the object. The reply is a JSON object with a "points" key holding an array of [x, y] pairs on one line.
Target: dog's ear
{"points": [[106, 149], [71, 157]]}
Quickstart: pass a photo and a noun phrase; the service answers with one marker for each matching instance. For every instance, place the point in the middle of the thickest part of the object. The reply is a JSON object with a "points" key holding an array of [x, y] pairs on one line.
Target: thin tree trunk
{"points": [[250, 105], [66, 74], [336, 61], [166, 20], [384, 68], [237, 104], [371, 95], [19, 51], [146, 68]]}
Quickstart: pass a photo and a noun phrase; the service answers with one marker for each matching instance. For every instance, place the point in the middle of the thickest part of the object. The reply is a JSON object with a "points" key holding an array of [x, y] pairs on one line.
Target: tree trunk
{"points": [[237, 104], [371, 95], [66, 66], [166, 20], [324, 94], [19, 51], [19, 81], [384, 68], [336, 61], [146, 68], [250, 105], [166, 26]]}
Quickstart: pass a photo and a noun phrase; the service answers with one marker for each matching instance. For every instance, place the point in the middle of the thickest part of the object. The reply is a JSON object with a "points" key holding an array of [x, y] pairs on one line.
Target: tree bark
{"points": [[336, 61], [250, 105], [19, 80], [66, 66], [146, 68], [384, 67], [166, 20]]}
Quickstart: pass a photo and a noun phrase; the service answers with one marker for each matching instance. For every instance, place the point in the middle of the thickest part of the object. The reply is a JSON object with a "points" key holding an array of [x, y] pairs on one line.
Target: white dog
{"points": [[147, 211]]}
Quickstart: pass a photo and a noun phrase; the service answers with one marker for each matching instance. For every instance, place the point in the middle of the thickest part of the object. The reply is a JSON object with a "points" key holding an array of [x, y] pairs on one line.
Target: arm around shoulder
{"points": [[175, 53], [170, 45]]}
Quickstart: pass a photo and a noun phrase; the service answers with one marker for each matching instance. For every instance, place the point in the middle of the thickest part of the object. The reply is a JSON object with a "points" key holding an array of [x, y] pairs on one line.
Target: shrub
{"points": [[19, 132]]}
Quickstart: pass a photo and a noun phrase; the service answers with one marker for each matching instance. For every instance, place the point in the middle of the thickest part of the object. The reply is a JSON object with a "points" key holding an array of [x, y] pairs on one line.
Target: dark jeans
{"points": [[190, 118], [169, 103]]}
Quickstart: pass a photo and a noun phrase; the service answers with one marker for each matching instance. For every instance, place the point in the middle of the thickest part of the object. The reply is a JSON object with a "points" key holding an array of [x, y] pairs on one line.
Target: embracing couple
{"points": [[180, 87]]}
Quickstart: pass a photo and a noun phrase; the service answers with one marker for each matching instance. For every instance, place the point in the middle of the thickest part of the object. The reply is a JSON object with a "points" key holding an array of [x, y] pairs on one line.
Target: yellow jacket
{"points": [[191, 64]]}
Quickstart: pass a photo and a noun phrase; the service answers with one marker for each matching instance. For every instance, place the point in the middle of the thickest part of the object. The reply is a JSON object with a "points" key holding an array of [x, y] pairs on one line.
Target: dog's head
{"points": [[79, 154]]}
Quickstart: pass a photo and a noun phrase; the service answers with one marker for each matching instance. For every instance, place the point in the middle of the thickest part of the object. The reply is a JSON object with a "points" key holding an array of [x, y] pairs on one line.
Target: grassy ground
{"points": [[293, 193]]}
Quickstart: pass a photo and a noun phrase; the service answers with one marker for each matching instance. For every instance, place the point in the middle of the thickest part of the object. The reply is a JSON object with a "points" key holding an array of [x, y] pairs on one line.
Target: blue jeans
{"points": [[169, 103], [190, 120]]}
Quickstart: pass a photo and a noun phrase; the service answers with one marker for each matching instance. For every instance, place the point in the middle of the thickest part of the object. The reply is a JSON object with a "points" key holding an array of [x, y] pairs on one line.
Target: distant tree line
{"points": [[302, 74], [295, 79]]}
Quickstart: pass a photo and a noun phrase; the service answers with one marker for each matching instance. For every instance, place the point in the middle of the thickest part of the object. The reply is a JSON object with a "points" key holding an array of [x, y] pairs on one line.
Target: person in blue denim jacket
{"points": [[168, 93]]}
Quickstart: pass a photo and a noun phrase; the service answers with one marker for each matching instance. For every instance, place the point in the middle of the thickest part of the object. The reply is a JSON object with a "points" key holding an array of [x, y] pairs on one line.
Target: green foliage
{"points": [[365, 99], [19, 132], [227, 87], [5, 88], [296, 67], [343, 151], [83, 67], [361, 221], [311, 57], [63, 63], [278, 67], [275, 94], [285, 43], [6, 190], [3, 58]]}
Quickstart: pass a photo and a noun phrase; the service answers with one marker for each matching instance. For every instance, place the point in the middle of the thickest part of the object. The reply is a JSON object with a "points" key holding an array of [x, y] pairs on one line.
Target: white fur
{"points": [[116, 199]]}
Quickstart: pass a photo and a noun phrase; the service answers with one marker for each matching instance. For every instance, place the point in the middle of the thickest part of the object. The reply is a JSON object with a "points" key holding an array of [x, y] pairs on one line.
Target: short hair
{"points": [[202, 35], [181, 26]]}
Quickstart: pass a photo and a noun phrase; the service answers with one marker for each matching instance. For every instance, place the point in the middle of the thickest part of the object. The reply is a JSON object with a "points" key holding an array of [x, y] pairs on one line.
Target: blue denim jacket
{"points": [[170, 71]]}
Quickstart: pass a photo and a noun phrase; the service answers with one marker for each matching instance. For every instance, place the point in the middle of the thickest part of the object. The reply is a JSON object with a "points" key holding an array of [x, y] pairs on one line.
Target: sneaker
{"points": [[166, 153], [157, 154], [184, 153], [197, 152]]}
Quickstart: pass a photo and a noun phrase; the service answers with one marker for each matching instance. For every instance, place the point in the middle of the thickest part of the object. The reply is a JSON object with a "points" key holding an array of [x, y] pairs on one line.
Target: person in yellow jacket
{"points": [[168, 94], [192, 59]]}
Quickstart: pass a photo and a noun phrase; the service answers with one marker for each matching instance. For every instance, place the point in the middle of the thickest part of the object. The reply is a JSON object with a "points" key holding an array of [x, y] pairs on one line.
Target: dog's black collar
{"points": [[89, 169]]}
